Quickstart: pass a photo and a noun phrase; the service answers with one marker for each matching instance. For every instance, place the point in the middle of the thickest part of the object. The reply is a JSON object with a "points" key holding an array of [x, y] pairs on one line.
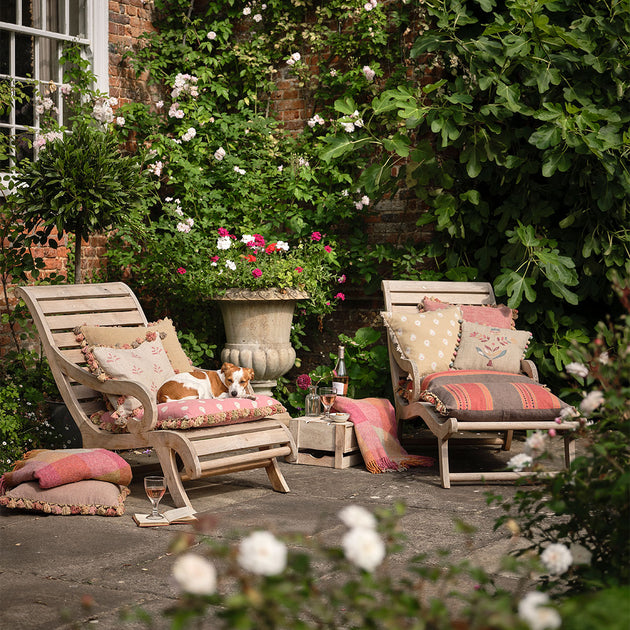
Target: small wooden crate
{"points": [[323, 443]]}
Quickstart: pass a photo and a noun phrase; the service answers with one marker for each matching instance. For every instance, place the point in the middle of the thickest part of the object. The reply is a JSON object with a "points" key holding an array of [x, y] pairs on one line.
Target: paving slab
{"points": [[85, 571]]}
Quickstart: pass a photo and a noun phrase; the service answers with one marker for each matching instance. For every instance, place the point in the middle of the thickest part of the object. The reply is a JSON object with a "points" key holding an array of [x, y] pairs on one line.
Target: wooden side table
{"points": [[323, 443]]}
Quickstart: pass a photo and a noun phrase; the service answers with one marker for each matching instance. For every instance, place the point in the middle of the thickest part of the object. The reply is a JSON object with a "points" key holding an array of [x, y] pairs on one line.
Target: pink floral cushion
{"points": [[496, 315], [194, 414]]}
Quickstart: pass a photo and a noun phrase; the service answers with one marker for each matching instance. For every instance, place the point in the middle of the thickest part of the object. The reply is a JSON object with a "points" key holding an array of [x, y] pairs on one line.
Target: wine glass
{"points": [[328, 396], [155, 487]]}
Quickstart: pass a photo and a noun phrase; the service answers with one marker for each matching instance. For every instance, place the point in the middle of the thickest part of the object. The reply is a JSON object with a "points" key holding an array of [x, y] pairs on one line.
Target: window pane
{"points": [[48, 60], [77, 18], [6, 99], [24, 113], [24, 147], [8, 11], [4, 139], [23, 56], [53, 16], [5, 47], [31, 14]]}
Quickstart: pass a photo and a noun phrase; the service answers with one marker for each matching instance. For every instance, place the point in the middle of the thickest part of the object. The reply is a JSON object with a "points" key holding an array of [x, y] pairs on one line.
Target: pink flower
{"points": [[299, 269], [328, 248], [552, 433], [340, 296], [342, 279], [223, 232], [303, 381], [316, 236], [214, 259], [181, 270], [256, 273]]}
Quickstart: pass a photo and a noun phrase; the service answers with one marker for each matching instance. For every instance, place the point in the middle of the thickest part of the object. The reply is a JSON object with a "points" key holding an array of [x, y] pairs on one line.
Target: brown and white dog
{"points": [[230, 381]]}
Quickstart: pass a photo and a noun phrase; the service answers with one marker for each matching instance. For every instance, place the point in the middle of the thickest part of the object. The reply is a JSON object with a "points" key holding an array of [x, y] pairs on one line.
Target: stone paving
{"points": [[49, 565]]}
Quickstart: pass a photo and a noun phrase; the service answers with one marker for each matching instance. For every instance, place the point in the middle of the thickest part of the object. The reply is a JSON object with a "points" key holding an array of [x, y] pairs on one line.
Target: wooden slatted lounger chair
{"points": [[403, 298], [211, 450]]}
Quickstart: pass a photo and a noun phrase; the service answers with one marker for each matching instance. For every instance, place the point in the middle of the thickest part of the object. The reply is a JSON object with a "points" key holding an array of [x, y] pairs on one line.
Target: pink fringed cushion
{"points": [[51, 468], [89, 497], [489, 395], [194, 414], [496, 315]]}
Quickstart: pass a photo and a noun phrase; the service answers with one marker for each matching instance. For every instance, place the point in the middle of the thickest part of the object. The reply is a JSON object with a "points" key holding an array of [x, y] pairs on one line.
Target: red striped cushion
{"points": [[475, 395]]}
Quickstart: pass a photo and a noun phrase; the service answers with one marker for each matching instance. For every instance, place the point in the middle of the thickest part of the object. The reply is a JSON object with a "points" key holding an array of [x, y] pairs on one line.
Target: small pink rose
{"points": [[181, 270], [299, 269], [316, 236], [328, 248], [256, 273], [340, 296]]}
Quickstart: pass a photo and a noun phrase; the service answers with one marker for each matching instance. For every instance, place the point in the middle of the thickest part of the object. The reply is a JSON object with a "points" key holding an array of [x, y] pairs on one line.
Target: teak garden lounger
{"points": [[402, 298], [211, 450]]}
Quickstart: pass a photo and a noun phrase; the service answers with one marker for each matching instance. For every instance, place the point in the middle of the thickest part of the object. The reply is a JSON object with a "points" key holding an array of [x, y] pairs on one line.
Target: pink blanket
{"points": [[52, 468], [374, 422]]}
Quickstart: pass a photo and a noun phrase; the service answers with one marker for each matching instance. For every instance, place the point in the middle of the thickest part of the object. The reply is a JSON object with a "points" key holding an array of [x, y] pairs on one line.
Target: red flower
{"points": [[214, 259], [316, 236], [256, 273], [340, 296], [299, 269], [271, 248], [328, 248], [223, 232], [250, 258], [181, 270], [303, 381]]}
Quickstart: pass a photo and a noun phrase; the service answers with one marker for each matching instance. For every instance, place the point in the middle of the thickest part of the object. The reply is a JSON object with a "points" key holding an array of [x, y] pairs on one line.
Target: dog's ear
{"points": [[249, 372], [227, 366]]}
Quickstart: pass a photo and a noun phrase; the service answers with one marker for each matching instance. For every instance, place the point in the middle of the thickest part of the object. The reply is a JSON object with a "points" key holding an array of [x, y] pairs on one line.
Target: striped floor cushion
{"points": [[488, 395]]}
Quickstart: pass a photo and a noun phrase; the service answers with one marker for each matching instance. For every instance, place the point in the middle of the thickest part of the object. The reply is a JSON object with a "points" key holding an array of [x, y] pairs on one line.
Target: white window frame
{"points": [[95, 49]]}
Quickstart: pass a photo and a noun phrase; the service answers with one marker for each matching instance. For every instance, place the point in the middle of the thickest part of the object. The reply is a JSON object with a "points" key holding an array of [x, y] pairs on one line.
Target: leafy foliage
{"points": [[518, 146]]}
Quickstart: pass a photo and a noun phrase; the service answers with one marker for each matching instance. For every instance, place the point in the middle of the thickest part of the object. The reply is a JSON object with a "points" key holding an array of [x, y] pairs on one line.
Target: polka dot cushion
{"points": [[429, 339]]}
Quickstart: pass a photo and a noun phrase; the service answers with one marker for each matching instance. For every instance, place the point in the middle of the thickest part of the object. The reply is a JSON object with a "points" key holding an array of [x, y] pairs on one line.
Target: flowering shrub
{"points": [[271, 582]]}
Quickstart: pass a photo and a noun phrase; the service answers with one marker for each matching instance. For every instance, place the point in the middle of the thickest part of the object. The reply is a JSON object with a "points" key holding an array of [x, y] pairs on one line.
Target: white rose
{"points": [[357, 516], [195, 574], [263, 554], [557, 558], [364, 548]]}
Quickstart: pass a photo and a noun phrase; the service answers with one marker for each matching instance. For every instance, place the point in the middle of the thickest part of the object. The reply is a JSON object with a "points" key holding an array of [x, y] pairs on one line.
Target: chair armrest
{"points": [[528, 367], [116, 387], [405, 365]]}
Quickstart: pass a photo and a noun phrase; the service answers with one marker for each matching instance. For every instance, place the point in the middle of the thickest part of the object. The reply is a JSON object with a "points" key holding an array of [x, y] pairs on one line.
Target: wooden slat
{"points": [[68, 322], [239, 442], [75, 355], [90, 305], [58, 291], [66, 339]]}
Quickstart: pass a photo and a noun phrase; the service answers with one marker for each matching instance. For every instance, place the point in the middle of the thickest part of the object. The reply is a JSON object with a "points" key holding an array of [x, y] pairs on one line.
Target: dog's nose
{"points": [[234, 394]]}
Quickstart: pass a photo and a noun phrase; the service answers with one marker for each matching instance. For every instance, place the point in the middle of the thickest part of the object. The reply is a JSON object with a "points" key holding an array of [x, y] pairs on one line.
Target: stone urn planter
{"points": [[257, 329]]}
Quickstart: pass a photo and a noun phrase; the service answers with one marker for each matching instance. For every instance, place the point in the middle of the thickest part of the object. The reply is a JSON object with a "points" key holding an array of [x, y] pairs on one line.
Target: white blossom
{"points": [[247, 238], [577, 369], [219, 154], [120, 121], [293, 58], [315, 120], [112, 101], [369, 73], [333, 72], [520, 462], [230, 264], [532, 610], [65, 88], [240, 171], [283, 245], [357, 516], [175, 112], [364, 548], [156, 168], [195, 574], [103, 112], [348, 127], [557, 558], [591, 401], [358, 205], [262, 553], [247, 10], [536, 441], [224, 242], [211, 35], [257, 17], [365, 200], [183, 227], [190, 134], [159, 105]]}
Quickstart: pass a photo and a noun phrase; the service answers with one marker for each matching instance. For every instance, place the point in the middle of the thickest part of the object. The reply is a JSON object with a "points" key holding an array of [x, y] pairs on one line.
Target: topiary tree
{"points": [[81, 183]]}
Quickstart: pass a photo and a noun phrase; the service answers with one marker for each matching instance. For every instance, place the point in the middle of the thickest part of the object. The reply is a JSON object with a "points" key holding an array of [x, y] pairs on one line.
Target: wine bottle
{"points": [[340, 374]]}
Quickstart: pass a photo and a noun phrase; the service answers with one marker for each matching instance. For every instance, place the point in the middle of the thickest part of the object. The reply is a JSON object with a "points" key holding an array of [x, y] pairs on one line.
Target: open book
{"points": [[177, 516]]}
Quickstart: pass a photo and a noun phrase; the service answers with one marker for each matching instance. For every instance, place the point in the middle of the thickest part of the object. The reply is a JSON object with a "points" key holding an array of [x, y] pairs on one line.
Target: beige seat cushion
{"points": [[125, 335]]}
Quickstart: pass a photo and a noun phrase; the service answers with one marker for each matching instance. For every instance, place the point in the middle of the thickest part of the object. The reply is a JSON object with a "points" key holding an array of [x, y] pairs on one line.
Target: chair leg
{"points": [[569, 449], [444, 466], [168, 462], [507, 441], [278, 482]]}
